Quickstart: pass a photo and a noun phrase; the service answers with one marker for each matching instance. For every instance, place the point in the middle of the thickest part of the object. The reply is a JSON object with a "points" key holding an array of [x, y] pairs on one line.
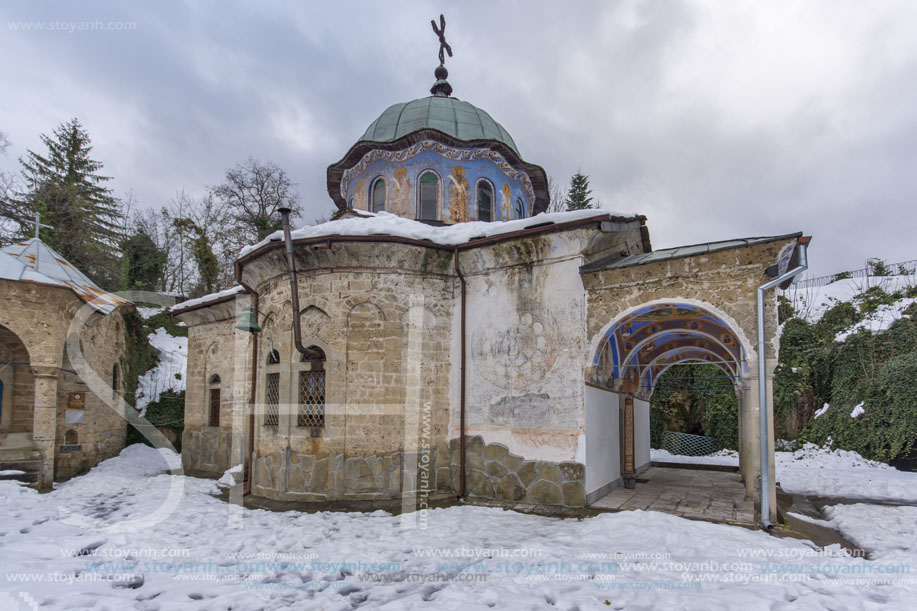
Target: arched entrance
{"points": [[17, 392], [628, 358]]}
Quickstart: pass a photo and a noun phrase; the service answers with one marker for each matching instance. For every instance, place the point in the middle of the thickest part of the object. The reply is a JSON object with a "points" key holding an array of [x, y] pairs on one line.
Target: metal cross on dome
{"points": [[441, 32], [38, 224]]}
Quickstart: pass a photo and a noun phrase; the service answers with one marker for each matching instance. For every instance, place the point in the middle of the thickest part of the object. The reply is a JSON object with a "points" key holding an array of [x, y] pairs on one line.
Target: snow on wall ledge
{"points": [[384, 223]]}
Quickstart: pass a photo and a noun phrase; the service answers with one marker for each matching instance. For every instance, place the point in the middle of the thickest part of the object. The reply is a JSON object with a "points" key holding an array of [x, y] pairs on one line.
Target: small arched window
{"points": [[428, 197], [350, 203], [485, 200], [115, 381], [71, 437], [520, 208], [312, 391], [272, 390], [214, 400], [379, 195]]}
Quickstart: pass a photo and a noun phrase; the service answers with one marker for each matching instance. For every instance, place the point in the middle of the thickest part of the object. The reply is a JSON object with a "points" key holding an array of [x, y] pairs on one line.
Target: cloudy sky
{"points": [[715, 119]]}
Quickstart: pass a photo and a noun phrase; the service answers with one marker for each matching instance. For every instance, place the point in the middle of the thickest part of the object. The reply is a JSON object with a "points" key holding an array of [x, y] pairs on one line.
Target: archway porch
{"points": [[648, 312]]}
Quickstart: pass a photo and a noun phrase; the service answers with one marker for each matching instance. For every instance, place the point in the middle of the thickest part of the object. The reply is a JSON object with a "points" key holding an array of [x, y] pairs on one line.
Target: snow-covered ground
{"points": [[168, 374], [816, 471], [82, 547]]}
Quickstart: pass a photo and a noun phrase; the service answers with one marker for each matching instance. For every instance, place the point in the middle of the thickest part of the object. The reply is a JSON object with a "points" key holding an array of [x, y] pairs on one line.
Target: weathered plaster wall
{"points": [[525, 320]]}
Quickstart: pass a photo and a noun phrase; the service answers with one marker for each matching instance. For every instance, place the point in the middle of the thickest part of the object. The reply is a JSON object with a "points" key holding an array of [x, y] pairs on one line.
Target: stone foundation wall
{"points": [[289, 475], [210, 451], [492, 473]]}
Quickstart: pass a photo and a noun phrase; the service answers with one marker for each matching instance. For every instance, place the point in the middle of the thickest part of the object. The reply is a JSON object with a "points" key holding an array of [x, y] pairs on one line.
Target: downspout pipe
{"points": [[803, 264], [249, 458], [250, 449], [294, 288], [458, 272]]}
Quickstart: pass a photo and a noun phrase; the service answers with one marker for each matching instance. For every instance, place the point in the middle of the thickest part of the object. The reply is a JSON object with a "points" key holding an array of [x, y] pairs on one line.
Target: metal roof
{"points": [[449, 115], [35, 261], [616, 261]]}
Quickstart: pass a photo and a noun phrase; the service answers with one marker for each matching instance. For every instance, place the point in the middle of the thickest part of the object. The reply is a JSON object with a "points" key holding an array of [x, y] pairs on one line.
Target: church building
{"points": [[62, 348], [444, 335]]}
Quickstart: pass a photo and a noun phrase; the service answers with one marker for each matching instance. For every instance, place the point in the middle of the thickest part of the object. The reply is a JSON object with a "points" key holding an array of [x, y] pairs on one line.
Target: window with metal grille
{"points": [[379, 196], [312, 391], [272, 400], [214, 400], [485, 200], [429, 197], [520, 208]]}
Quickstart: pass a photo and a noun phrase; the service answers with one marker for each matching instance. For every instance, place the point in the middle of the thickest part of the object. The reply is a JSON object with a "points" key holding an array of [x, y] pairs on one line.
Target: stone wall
{"points": [[215, 347], [39, 317], [103, 432], [726, 280], [492, 472], [384, 323], [387, 317]]}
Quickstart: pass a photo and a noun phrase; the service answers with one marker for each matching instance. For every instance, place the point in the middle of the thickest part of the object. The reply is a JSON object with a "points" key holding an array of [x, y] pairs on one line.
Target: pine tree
{"points": [[142, 263], [65, 187], [579, 196]]}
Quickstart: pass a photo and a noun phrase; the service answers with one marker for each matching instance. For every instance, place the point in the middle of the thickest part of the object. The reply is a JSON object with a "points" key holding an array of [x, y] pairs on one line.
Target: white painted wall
{"points": [[525, 344], [641, 434], [603, 452]]}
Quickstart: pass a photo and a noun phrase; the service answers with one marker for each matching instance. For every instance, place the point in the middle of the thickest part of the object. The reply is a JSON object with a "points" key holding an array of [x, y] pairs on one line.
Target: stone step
{"points": [[19, 455]]}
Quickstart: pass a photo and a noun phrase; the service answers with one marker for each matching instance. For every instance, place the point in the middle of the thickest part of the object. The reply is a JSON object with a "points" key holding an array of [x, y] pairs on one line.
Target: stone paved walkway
{"points": [[715, 496]]}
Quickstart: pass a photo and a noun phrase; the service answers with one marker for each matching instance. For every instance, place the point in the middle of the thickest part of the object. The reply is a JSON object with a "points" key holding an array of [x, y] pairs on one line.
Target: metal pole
{"points": [[762, 385]]}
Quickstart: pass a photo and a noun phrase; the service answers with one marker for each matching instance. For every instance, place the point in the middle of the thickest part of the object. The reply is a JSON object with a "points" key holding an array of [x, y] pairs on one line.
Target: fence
{"points": [[685, 444], [904, 268]]}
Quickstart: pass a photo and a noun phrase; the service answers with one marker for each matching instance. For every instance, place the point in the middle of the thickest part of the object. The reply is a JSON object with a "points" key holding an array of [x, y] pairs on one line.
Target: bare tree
{"points": [[558, 196], [10, 207], [251, 193]]}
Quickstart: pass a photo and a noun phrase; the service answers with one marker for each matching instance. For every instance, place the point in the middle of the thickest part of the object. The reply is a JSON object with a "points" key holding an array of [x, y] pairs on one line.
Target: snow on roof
{"points": [[384, 223], [184, 305], [35, 261]]}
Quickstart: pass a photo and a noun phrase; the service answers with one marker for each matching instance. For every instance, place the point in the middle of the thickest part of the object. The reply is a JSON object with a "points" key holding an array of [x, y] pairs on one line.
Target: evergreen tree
{"points": [[65, 187], [142, 263], [579, 196]]}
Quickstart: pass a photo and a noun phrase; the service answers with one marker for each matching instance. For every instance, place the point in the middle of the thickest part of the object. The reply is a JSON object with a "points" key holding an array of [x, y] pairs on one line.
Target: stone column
{"points": [[749, 450], [750, 447], [44, 427]]}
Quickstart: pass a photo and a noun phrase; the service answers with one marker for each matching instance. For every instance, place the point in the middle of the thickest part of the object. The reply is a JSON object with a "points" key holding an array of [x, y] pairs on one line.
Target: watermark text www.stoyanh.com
{"points": [[95, 25]]}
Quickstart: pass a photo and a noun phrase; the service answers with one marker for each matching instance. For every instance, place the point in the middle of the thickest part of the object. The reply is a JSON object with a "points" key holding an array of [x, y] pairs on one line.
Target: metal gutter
{"points": [[294, 289], [802, 265]]}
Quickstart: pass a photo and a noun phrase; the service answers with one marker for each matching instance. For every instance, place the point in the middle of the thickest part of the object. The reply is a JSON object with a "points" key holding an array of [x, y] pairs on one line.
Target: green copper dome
{"points": [[451, 116]]}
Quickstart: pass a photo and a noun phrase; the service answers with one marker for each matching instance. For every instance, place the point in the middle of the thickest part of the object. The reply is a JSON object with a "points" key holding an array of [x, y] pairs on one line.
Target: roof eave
{"points": [[536, 173]]}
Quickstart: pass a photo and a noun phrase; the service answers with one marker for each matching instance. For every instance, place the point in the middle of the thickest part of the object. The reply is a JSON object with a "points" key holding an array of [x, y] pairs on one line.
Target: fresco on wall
{"points": [[458, 191], [401, 195], [401, 170]]}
